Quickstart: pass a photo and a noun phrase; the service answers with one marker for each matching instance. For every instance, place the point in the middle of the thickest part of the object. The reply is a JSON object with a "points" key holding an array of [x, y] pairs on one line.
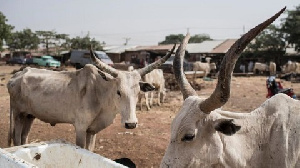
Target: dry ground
{"points": [[146, 144]]}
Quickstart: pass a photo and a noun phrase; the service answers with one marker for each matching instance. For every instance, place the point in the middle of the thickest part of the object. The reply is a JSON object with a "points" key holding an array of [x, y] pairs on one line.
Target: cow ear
{"points": [[226, 126], [146, 87]]}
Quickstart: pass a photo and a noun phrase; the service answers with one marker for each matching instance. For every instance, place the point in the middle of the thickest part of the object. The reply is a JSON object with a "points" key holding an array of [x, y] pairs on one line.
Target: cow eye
{"points": [[118, 92], [188, 137]]}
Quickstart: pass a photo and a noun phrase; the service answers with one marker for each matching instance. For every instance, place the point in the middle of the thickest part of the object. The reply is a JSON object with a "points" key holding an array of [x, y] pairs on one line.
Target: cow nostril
{"points": [[130, 125]]}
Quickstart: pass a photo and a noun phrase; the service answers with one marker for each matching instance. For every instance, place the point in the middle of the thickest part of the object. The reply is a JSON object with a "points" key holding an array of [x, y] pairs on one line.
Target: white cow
{"points": [[156, 78], [130, 68], [272, 68], [260, 68], [201, 66], [88, 98], [213, 67], [291, 67], [203, 135]]}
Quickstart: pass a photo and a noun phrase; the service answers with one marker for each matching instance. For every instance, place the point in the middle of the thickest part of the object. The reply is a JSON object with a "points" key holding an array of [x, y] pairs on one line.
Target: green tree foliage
{"points": [[269, 45], [291, 27], [63, 41], [173, 39], [5, 29], [199, 38], [23, 40], [177, 38], [47, 37], [85, 43], [270, 39], [53, 39]]}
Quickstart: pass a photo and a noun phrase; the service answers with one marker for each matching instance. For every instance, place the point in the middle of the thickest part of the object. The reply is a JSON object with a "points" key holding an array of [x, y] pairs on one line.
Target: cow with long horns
{"points": [[203, 135], [88, 98]]}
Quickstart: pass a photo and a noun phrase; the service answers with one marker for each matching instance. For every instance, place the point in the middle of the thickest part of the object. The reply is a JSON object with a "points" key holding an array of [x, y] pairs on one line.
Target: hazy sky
{"points": [[145, 22]]}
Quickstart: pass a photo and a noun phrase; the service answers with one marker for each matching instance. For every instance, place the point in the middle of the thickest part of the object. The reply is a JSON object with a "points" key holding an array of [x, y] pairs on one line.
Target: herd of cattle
{"points": [[258, 68], [289, 67], [202, 134]]}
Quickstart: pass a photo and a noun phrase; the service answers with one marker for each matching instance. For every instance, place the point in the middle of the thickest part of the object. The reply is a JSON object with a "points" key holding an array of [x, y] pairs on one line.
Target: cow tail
{"points": [[10, 131]]}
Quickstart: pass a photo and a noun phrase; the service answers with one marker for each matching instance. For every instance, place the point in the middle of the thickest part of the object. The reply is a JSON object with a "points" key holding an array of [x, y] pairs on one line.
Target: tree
{"points": [[172, 39], [51, 38], [269, 45], [24, 39], [177, 38], [199, 38], [85, 43], [62, 42], [47, 38], [291, 28], [270, 39], [5, 29]]}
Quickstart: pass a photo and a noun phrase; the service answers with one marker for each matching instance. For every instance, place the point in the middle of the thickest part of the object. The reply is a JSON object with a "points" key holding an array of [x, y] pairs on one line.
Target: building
{"points": [[215, 49], [117, 53], [146, 53]]}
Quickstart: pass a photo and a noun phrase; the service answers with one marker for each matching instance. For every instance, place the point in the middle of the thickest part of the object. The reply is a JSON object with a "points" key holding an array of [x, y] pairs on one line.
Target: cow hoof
{"points": [[130, 125]]}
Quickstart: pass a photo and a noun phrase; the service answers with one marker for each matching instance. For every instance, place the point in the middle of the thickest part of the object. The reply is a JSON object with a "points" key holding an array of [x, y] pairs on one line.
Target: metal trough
{"points": [[56, 154], [192, 74]]}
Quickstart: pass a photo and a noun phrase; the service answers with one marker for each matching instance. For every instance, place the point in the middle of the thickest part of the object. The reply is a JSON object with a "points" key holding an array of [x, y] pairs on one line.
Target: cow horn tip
{"points": [[284, 8]]}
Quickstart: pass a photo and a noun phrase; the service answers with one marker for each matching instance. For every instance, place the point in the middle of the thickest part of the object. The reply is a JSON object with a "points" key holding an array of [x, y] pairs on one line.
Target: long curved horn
{"points": [[102, 66], [185, 87], [158, 63], [222, 92]]}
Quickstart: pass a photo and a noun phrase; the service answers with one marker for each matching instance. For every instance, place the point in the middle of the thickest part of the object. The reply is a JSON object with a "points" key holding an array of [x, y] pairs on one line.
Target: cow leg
{"points": [[28, 120], [194, 76], [205, 74], [18, 128], [162, 96], [90, 140], [80, 137], [158, 97], [147, 100], [141, 104], [141, 101], [151, 98]]}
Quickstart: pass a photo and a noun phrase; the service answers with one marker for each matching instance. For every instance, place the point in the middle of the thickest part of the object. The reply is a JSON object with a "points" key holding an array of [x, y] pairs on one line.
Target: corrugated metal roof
{"points": [[120, 49], [204, 47], [214, 46], [105, 48], [150, 48]]}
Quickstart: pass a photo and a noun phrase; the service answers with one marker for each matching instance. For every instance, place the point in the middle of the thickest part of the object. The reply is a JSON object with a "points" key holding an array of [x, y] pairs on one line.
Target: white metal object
{"points": [[53, 154]]}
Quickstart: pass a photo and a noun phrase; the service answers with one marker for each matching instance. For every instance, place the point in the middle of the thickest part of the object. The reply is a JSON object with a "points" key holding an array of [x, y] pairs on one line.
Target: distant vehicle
{"points": [[17, 57], [47, 61], [79, 58], [29, 61], [167, 67], [16, 60], [5, 58]]}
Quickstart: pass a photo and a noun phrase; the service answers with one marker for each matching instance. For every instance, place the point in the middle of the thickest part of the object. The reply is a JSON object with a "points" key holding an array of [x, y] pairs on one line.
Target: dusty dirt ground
{"points": [[146, 144]]}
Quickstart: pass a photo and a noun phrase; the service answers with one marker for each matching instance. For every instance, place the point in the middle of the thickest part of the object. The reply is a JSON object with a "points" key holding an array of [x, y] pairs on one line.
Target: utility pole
{"points": [[243, 30], [126, 40]]}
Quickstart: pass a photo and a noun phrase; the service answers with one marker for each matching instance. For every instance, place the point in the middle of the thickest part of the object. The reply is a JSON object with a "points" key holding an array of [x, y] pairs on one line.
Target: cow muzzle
{"points": [[130, 125]]}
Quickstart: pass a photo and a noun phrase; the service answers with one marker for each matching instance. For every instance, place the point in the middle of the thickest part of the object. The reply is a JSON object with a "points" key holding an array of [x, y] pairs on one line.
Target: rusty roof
{"points": [[224, 47]]}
